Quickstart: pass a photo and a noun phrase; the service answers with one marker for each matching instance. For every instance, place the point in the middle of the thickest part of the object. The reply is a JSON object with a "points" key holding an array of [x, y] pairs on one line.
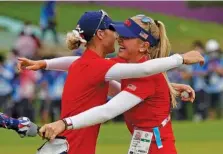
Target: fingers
{"points": [[190, 98], [193, 57], [22, 62], [191, 92], [23, 59], [185, 99], [202, 62], [42, 131], [32, 67], [192, 95], [187, 89], [19, 66], [48, 132], [53, 137]]}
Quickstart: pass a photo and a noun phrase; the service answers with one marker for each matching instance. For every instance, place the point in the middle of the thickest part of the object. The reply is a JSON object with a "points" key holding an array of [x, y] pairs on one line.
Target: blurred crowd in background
{"points": [[37, 94]]}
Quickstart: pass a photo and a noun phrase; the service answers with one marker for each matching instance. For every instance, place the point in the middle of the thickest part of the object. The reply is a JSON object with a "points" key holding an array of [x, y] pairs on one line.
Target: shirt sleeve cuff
{"points": [[179, 58]]}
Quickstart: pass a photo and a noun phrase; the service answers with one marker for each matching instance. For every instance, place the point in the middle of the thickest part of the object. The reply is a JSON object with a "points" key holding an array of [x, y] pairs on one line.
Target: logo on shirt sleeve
{"points": [[131, 87]]}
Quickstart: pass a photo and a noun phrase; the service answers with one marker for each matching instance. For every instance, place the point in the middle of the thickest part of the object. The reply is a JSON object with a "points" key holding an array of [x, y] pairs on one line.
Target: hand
{"points": [[180, 88], [25, 63], [50, 131], [193, 57]]}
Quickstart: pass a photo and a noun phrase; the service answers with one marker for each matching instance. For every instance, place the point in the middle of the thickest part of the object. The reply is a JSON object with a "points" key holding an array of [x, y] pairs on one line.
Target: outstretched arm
{"points": [[136, 70], [154, 66], [59, 64]]}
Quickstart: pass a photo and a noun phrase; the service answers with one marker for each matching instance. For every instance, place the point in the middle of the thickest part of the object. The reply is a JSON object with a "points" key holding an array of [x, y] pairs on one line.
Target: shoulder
{"points": [[103, 63], [152, 77]]}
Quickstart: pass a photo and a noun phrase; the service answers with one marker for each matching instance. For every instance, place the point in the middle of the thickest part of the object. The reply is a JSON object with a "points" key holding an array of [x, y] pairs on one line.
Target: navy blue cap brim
{"points": [[105, 24], [122, 30]]}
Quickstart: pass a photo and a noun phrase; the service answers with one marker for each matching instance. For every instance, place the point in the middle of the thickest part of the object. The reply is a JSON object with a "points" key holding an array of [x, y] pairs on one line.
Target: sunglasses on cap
{"points": [[144, 18], [102, 18]]}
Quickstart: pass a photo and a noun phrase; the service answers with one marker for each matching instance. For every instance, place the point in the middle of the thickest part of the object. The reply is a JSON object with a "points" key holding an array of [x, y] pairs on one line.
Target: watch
{"points": [[68, 123]]}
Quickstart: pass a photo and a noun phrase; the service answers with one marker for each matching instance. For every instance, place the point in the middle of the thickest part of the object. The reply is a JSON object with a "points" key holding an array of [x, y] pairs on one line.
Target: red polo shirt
{"points": [[85, 87], [156, 106]]}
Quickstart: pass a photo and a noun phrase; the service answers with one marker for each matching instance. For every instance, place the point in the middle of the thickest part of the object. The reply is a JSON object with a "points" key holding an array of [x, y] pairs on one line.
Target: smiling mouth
{"points": [[121, 48]]}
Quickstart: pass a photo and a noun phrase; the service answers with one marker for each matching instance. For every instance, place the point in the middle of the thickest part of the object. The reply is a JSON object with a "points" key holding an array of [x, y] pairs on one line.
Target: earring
{"points": [[141, 50]]}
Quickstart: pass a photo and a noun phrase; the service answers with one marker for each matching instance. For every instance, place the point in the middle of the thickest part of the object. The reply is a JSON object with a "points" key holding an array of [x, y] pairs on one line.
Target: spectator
{"points": [[48, 19], [6, 76], [28, 80], [43, 96], [199, 85], [27, 44], [185, 73], [214, 77]]}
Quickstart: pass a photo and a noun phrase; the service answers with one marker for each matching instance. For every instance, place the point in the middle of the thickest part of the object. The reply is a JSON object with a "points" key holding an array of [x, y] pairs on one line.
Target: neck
{"points": [[98, 50]]}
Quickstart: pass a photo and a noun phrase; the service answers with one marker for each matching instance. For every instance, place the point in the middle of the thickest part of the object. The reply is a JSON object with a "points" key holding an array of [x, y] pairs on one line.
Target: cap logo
{"points": [[143, 35], [127, 23], [79, 29]]}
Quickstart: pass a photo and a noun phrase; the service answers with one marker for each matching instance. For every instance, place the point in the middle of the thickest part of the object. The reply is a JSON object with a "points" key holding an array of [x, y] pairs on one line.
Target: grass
{"points": [[191, 138], [181, 32]]}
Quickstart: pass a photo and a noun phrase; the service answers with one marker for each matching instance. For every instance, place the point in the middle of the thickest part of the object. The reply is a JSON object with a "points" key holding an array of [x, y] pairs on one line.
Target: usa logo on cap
{"points": [[143, 35]]}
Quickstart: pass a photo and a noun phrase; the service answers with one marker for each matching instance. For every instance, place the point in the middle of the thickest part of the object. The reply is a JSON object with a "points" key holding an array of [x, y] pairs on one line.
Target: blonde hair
{"points": [[74, 40], [162, 49]]}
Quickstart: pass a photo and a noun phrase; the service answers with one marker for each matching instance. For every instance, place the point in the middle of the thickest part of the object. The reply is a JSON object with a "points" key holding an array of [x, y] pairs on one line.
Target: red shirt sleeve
{"points": [[142, 87]]}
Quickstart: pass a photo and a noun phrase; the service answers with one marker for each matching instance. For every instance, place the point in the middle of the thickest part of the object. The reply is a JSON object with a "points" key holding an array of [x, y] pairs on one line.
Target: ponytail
{"points": [[164, 52], [74, 40]]}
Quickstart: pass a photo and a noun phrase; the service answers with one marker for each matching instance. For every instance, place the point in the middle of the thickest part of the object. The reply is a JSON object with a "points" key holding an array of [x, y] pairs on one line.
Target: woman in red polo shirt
{"points": [[146, 101]]}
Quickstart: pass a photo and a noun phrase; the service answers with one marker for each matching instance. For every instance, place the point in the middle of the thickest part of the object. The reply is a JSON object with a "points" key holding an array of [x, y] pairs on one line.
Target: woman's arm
{"points": [[116, 106], [114, 88], [59, 64], [154, 66], [100, 114], [137, 70]]}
